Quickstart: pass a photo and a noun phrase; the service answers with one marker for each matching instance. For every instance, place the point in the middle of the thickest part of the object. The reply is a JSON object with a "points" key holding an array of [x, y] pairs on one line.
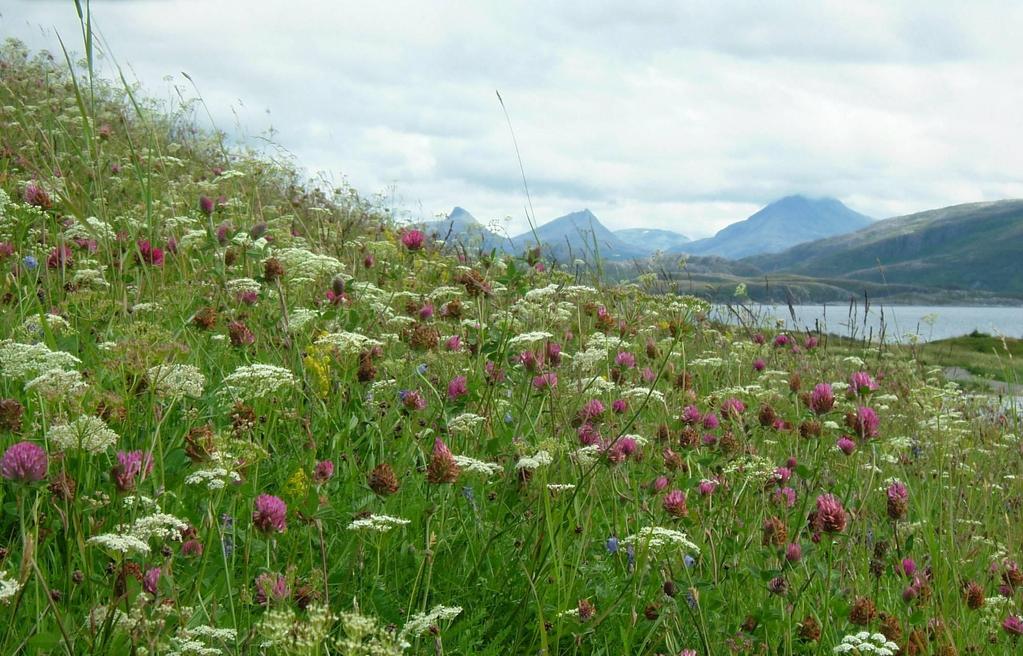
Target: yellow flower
{"points": [[297, 485]]}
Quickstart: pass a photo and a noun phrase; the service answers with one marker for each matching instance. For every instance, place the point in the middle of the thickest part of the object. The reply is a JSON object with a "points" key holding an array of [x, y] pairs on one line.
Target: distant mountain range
{"points": [[780, 225], [972, 246], [801, 248], [652, 239]]}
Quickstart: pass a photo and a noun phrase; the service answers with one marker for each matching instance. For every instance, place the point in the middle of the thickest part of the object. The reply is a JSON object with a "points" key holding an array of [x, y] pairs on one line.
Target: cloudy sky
{"points": [[679, 115]]}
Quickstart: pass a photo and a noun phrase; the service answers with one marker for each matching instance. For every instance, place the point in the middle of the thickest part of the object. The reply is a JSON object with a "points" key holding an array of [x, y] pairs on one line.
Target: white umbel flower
{"points": [[378, 523], [421, 622], [173, 381], [256, 381], [8, 588], [657, 538], [88, 433]]}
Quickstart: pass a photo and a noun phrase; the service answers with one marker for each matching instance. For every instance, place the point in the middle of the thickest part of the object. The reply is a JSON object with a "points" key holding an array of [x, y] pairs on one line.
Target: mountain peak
{"points": [[780, 224]]}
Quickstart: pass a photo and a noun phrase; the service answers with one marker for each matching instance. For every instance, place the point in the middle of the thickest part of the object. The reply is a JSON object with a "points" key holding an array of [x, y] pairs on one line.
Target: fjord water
{"points": [[899, 323]]}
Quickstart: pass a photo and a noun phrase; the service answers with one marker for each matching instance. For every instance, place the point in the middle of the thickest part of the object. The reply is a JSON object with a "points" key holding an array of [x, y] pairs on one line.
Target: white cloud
{"points": [[679, 115]]}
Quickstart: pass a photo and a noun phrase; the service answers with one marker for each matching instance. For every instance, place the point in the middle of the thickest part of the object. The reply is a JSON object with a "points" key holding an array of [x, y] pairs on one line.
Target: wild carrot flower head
{"points": [[822, 399], [270, 514], [24, 462]]}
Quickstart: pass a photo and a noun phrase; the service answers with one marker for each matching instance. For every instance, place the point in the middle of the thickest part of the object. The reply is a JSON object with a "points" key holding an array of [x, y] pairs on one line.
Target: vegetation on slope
{"points": [[240, 414]]}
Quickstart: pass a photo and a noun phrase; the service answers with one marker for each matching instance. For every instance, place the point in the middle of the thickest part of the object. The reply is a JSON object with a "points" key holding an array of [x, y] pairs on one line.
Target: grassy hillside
{"points": [[968, 247], [244, 413]]}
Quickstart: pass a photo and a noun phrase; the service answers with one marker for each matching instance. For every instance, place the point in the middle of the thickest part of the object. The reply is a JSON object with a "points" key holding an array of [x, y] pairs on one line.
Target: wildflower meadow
{"points": [[245, 412]]}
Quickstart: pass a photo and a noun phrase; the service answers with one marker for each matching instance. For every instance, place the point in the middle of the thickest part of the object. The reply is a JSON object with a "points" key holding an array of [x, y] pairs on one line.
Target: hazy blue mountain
{"points": [[972, 246], [781, 225], [579, 235], [652, 239], [461, 227]]}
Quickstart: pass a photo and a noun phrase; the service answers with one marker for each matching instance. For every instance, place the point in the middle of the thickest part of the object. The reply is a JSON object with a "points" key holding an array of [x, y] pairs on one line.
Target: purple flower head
{"points": [[324, 471], [822, 399], [131, 467], [413, 400], [711, 421], [270, 514], [553, 353], [706, 487], [675, 503], [413, 239], [426, 312], [794, 552], [1013, 625], [660, 483], [759, 338], [846, 445], [759, 364], [625, 360], [866, 422], [37, 196], [691, 415], [24, 462], [150, 254], [150, 580], [271, 588], [453, 343], [785, 496], [830, 516], [618, 406], [544, 381], [810, 343], [862, 383], [206, 205], [588, 435], [782, 340], [457, 388], [591, 410], [732, 408]]}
